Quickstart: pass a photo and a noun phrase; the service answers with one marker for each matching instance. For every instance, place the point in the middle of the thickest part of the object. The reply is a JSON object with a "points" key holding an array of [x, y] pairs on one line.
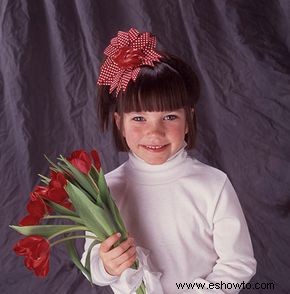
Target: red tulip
{"points": [[58, 180], [36, 209], [40, 190], [36, 206], [96, 158], [81, 160], [59, 196], [56, 191], [36, 252], [29, 220]]}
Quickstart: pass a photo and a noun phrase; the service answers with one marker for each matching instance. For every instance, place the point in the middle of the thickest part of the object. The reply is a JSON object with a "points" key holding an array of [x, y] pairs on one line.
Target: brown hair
{"points": [[169, 85]]}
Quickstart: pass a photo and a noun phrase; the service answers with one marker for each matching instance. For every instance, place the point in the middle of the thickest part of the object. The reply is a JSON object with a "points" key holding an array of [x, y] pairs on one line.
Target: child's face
{"points": [[154, 136]]}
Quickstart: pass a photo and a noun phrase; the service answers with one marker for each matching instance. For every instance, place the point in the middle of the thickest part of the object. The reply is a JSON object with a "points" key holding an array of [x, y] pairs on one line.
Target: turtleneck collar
{"points": [[144, 173]]}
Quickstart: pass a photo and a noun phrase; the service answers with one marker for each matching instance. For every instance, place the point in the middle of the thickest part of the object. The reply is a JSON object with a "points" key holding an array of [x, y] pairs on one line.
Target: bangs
{"points": [[156, 89]]}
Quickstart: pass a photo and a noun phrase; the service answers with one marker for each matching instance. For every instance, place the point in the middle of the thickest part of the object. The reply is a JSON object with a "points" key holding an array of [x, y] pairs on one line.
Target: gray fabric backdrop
{"points": [[50, 52]]}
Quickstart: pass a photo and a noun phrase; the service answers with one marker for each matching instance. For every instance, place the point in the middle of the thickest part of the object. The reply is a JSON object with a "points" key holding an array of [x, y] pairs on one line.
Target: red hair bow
{"points": [[125, 55]]}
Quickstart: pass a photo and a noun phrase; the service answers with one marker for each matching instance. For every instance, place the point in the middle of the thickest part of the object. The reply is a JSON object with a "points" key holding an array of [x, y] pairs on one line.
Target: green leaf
{"points": [[83, 180], [75, 219], [72, 252], [94, 173], [94, 217], [108, 200], [104, 192], [80, 177], [44, 179], [61, 209], [45, 182], [41, 230], [94, 176], [117, 217], [74, 180], [54, 166]]}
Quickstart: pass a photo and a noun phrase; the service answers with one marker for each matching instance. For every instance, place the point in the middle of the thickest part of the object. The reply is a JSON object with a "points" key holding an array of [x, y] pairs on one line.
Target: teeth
{"points": [[154, 147]]}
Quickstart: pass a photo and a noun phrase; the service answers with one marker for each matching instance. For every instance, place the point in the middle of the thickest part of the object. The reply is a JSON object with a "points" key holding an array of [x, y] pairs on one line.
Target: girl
{"points": [[185, 213]]}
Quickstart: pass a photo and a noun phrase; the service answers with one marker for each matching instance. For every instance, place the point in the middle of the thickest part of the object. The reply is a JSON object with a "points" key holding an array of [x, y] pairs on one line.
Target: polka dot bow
{"points": [[125, 55]]}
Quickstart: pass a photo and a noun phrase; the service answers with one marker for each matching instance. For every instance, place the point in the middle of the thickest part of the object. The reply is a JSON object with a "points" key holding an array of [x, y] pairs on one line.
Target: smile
{"points": [[155, 147]]}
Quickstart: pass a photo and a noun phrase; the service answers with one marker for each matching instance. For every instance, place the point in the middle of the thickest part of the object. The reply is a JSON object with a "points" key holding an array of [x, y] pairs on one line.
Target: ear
{"points": [[186, 128], [117, 118], [118, 122]]}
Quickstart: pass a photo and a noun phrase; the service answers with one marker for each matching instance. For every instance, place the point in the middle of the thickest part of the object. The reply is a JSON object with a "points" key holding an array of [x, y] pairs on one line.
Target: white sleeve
{"points": [[130, 279], [236, 263]]}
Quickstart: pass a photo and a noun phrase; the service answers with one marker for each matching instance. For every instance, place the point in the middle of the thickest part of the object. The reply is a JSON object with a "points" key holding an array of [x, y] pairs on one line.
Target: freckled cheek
{"points": [[133, 135], [178, 134], [135, 131], [176, 131]]}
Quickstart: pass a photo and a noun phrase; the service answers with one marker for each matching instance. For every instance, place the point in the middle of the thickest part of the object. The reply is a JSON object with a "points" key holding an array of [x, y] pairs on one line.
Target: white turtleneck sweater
{"points": [[188, 216]]}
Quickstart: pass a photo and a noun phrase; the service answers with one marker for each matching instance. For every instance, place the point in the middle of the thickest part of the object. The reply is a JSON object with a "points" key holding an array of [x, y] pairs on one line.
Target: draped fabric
{"points": [[50, 53]]}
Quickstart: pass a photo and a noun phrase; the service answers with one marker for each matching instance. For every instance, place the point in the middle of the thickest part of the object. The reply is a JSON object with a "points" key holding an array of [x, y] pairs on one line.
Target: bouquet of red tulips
{"points": [[76, 191]]}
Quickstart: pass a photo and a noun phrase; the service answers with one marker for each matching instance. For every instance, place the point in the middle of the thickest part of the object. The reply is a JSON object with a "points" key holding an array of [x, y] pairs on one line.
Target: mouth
{"points": [[155, 148]]}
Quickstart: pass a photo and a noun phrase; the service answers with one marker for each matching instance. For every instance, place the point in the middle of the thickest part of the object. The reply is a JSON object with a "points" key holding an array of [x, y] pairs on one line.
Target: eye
{"points": [[138, 118], [170, 117]]}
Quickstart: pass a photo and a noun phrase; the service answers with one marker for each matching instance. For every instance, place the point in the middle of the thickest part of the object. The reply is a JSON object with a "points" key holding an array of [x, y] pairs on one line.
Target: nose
{"points": [[155, 129]]}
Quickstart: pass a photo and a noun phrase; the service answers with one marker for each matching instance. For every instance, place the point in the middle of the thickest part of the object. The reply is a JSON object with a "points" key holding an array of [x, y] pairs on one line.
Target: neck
{"points": [[145, 173]]}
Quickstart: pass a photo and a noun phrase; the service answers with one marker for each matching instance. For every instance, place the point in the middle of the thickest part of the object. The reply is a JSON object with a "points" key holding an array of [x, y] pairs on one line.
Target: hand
{"points": [[118, 259]]}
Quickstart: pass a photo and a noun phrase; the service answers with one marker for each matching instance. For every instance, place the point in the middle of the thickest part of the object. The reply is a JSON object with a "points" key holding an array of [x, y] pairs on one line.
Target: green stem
{"points": [[141, 289], [98, 198], [73, 218], [93, 182], [55, 216], [98, 172], [71, 238], [74, 228]]}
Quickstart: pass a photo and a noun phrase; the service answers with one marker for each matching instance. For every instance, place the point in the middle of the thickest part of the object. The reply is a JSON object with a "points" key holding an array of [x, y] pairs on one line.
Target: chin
{"points": [[155, 161]]}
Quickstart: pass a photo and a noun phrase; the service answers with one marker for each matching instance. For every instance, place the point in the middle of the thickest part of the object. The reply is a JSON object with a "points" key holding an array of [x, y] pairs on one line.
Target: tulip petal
{"points": [[36, 251], [96, 158], [81, 160], [29, 220], [57, 195], [36, 208]]}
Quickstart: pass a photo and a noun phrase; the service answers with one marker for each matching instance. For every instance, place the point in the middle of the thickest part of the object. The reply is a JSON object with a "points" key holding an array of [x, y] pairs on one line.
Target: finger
{"points": [[123, 247], [126, 265], [109, 242], [112, 265], [125, 256]]}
